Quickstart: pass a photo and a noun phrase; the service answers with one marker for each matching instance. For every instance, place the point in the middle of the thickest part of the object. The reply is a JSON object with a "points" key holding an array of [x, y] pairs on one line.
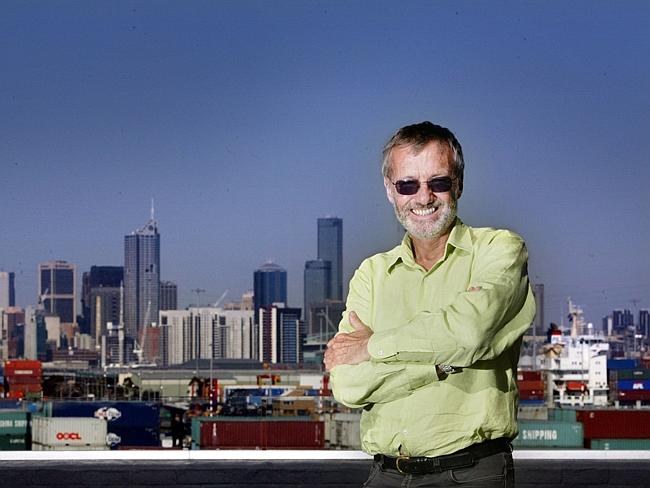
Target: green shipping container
{"points": [[549, 434], [14, 422], [621, 444], [633, 374], [13, 443], [562, 414]]}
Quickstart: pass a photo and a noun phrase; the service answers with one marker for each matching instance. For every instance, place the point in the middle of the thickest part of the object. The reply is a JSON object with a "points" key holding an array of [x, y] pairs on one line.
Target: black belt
{"points": [[464, 458]]}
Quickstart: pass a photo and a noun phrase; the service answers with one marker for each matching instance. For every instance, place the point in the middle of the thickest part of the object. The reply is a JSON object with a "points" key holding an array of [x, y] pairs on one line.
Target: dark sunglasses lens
{"points": [[440, 185], [407, 187]]}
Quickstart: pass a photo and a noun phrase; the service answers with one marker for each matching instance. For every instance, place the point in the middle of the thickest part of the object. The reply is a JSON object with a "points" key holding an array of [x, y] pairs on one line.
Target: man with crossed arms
{"points": [[429, 343]]}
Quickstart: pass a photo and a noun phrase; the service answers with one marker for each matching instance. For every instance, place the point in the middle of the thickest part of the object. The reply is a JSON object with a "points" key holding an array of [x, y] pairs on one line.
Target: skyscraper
{"points": [[57, 287], [141, 277], [318, 279], [97, 277], [537, 327], [280, 337], [330, 248], [7, 289], [168, 295], [270, 286], [621, 320]]}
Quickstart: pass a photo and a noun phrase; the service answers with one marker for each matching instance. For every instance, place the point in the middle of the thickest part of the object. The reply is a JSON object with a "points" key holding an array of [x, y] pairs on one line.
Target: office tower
{"points": [[141, 278], [270, 286], [104, 307], [168, 295], [280, 334], [330, 248], [98, 276], [621, 320], [57, 288], [35, 334], [317, 280], [7, 289]]}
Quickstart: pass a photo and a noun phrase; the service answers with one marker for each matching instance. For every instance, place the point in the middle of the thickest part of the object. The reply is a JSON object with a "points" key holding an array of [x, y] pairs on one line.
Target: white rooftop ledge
{"points": [[261, 455]]}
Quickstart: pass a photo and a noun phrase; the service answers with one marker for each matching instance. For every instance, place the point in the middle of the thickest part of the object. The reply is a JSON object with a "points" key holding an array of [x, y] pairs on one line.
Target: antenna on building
{"points": [[152, 209]]}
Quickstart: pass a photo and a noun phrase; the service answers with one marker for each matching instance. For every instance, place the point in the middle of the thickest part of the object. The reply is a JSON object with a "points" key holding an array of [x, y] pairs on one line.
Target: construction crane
{"points": [[138, 349], [223, 295]]}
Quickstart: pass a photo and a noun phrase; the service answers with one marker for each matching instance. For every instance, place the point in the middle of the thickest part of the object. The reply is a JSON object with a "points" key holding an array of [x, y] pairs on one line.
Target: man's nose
{"points": [[424, 194]]}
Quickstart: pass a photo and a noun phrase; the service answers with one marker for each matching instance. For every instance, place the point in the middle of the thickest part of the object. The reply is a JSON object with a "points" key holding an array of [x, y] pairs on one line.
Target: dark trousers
{"points": [[496, 471]]}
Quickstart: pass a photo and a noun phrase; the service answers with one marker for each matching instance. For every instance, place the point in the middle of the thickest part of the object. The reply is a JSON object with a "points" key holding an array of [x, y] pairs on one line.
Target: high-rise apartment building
{"points": [[141, 278], [168, 295], [330, 248], [270, 286], [280, 334], [204, 333], [57, 288], [12, 330], [7, 289], [317, 282]]}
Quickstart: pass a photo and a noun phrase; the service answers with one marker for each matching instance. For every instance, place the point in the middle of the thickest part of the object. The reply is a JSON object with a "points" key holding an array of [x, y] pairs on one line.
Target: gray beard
{"points": [[431, 230]]}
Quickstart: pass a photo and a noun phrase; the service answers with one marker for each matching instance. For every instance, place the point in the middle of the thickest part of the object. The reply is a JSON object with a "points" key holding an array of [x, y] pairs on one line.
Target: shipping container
{"points": [[532, 396], [633, 384], [562, 414], [620, 444], [13, 442], [22, 366], [529, 376], [632, 374], [616, 364], [14, 422], [132, 437], [342, 431], [549, 434], [530, 385], [634, 396], [532, 412], [256, 433], [119, 414], [615, 424], [531, 402], [43, 447], [65, 432]]}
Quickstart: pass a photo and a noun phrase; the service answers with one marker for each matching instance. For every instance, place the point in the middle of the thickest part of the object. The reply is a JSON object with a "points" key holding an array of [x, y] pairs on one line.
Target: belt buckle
{"points": [[399, 458]]}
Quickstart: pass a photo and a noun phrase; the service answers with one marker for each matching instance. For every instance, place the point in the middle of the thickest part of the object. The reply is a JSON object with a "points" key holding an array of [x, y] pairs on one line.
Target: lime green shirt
{"points": [[425, 318]]}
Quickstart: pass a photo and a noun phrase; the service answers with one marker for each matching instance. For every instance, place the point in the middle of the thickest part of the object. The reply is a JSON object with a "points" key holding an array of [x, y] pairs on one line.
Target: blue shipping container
{"points": [[118, 414], [136, 436], [633, 384], [621, 364]]}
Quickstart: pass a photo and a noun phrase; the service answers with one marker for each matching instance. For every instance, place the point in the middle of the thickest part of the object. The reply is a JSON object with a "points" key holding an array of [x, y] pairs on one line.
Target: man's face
{"points": [[425, 215]]}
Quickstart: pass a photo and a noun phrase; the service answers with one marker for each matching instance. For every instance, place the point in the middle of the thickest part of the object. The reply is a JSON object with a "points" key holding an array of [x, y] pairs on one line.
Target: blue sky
{"points": [[246, 121]]}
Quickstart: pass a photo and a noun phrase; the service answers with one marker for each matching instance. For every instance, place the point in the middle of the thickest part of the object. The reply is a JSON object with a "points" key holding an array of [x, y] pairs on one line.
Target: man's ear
{"points": [[459, 189], [389, 190]]}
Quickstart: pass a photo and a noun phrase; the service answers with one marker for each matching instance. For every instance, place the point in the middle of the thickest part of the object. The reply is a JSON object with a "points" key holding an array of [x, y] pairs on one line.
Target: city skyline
{"points": [[247, 121]]}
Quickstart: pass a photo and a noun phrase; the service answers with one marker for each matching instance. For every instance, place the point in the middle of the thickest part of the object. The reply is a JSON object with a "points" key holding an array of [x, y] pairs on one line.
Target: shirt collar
{"points": [[459, 238]]}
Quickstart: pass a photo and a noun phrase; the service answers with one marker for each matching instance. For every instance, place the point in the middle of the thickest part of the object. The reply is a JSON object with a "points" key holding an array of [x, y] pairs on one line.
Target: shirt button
{"points": [[405, 432], [380, 352]]}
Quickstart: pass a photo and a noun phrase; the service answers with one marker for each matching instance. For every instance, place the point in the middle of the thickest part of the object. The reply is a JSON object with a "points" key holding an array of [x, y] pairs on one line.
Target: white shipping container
{"points": [[68, 432], [342, 431], [41, 447]]}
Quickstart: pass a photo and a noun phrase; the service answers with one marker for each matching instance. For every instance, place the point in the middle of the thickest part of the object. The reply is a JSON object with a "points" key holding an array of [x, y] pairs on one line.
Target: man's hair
{"points": [[417, 136]]}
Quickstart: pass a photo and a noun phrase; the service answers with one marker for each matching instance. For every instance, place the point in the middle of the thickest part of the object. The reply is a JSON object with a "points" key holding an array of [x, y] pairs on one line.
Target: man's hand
{"points": [[349, 348]]}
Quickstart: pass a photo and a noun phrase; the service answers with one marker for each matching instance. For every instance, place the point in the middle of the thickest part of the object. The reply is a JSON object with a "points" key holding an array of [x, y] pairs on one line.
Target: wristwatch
{"points": [[445, 368]]}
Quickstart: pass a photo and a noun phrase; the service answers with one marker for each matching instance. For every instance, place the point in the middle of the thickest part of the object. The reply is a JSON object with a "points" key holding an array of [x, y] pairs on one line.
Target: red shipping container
{"points": [[529, 376], [530, 385], [615, 424], [15, 395], [262, 434], [22, 365], [530, 396], [18, 380], [634, 395], [26, 388]]}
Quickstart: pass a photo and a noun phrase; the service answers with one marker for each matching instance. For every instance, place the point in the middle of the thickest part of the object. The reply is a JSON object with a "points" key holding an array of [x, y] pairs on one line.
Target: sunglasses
{"points": [[441, 184]]}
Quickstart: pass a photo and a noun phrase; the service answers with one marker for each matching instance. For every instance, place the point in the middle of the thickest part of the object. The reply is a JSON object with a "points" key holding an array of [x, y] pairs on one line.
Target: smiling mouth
{"points": [[422, 212]]}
